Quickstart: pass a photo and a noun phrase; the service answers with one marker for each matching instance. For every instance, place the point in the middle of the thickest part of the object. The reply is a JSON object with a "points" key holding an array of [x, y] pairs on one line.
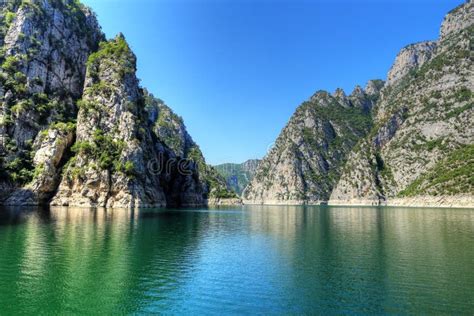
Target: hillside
{"points": [[413, 139], [238, 176]]}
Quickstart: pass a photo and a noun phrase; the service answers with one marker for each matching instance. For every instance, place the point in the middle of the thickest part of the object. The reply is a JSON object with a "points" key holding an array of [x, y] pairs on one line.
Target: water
{"points": [[271, 260]]}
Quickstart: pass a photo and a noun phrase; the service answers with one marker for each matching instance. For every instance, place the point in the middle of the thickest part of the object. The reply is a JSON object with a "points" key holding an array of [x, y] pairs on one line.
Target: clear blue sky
{"points": [[236, 70]]}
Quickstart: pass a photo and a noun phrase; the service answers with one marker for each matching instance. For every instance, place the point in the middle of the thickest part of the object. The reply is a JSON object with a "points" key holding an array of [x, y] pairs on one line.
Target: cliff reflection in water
{"points": [[250, 259]]}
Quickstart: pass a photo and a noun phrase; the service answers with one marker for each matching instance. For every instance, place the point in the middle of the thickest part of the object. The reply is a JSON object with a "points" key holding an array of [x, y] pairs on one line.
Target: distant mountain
{"points": [[238, 176], [409, 141]]}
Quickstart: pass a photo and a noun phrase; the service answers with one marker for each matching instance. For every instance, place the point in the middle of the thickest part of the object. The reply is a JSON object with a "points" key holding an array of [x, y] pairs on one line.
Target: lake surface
{"points": [[271, 260]]}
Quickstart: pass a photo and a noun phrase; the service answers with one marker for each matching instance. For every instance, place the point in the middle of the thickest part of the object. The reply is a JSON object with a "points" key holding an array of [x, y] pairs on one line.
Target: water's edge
{"points": [[457, 201]]}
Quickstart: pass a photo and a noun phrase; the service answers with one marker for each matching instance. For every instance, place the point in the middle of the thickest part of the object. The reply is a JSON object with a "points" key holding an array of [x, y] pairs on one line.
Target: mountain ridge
{"points": [[422, 114]]}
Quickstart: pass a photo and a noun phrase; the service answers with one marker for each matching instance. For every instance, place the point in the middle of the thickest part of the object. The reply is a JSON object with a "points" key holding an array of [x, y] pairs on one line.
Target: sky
{"points": [[236, 70]]}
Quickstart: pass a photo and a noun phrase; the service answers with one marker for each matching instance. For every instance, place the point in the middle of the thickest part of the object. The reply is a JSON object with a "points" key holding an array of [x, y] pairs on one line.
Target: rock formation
{"points": [[419, 144], [171, 131], [307, 158], [75, 125], [45, 47]]}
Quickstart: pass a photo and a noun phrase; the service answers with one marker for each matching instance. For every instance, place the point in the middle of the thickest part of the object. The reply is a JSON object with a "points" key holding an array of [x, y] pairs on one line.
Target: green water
{"points": [[266, 260]]}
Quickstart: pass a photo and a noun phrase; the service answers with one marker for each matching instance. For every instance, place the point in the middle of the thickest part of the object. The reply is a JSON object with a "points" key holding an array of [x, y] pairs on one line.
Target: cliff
{"points": [[418, 144], [307, 158], [77, 129], [171, 130]]}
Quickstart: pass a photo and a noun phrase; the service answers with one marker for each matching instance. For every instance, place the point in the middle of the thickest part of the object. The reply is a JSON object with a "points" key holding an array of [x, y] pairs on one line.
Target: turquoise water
{"points": [[266, 260]]}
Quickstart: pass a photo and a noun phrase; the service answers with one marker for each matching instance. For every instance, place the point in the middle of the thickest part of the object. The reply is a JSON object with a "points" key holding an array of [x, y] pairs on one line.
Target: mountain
{"points": [[171, 130], [308, 155], [408, 141], [238, 176], [76, 128]]}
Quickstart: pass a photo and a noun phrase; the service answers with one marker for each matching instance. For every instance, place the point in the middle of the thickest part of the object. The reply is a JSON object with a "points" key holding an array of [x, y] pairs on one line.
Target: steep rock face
{"points": [[457, 20], [410, 58], [55, 38], [120, 157], [306, 160], [171, 130], [45, 45], [238, 176], [116, 152], [50, 149], [420, 120], [418, 146]]}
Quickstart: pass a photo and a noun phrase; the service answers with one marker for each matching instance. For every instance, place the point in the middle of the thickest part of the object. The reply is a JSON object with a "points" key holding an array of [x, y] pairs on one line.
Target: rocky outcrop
{"points": [[457, 20], [171, 130], [55, 38], [51, 151], [306, 160], [410, 58], [115, 144], [45, 47], [75, 126], [418, 148], [422, 123], [238, 176], [224, 201]]}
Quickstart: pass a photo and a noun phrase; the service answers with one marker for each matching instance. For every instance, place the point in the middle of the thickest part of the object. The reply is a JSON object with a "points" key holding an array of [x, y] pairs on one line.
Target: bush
{"points": [[9, 17], [463, 94], [106, 151], [11, 63], [115, 50]]}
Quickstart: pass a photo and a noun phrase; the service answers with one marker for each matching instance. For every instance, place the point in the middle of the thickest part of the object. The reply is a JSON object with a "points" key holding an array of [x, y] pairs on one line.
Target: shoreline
{"points": [[460, 201]]}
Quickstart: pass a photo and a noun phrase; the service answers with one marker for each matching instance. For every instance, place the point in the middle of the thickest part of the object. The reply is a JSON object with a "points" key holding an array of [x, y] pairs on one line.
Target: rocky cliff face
{"points": [[171, 130], [45, 47], [410, 58], [423, 124], [238, 176], [419, 144], [75, 126], [306, 160], [113, 145], [457, 20]]}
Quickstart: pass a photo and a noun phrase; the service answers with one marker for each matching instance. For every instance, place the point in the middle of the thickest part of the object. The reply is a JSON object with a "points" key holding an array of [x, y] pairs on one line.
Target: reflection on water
{"points": [[237, 260]]}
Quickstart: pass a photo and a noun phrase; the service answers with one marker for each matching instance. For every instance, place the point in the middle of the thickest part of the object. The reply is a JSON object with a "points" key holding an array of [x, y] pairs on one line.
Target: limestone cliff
{"points": [[418, 143], [45, 46], [75, 126], [306, 160], [171, 130]]}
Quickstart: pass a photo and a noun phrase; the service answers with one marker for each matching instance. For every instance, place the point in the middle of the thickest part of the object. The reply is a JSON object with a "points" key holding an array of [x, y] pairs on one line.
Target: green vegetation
{"points": [[101, 88], [19, 170], [453, 175], [236, 175], [9, 17], [111, 52], [12, 78], [106, 151], [69, 127], [463, 94], [218, 190], [457, 111]]}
